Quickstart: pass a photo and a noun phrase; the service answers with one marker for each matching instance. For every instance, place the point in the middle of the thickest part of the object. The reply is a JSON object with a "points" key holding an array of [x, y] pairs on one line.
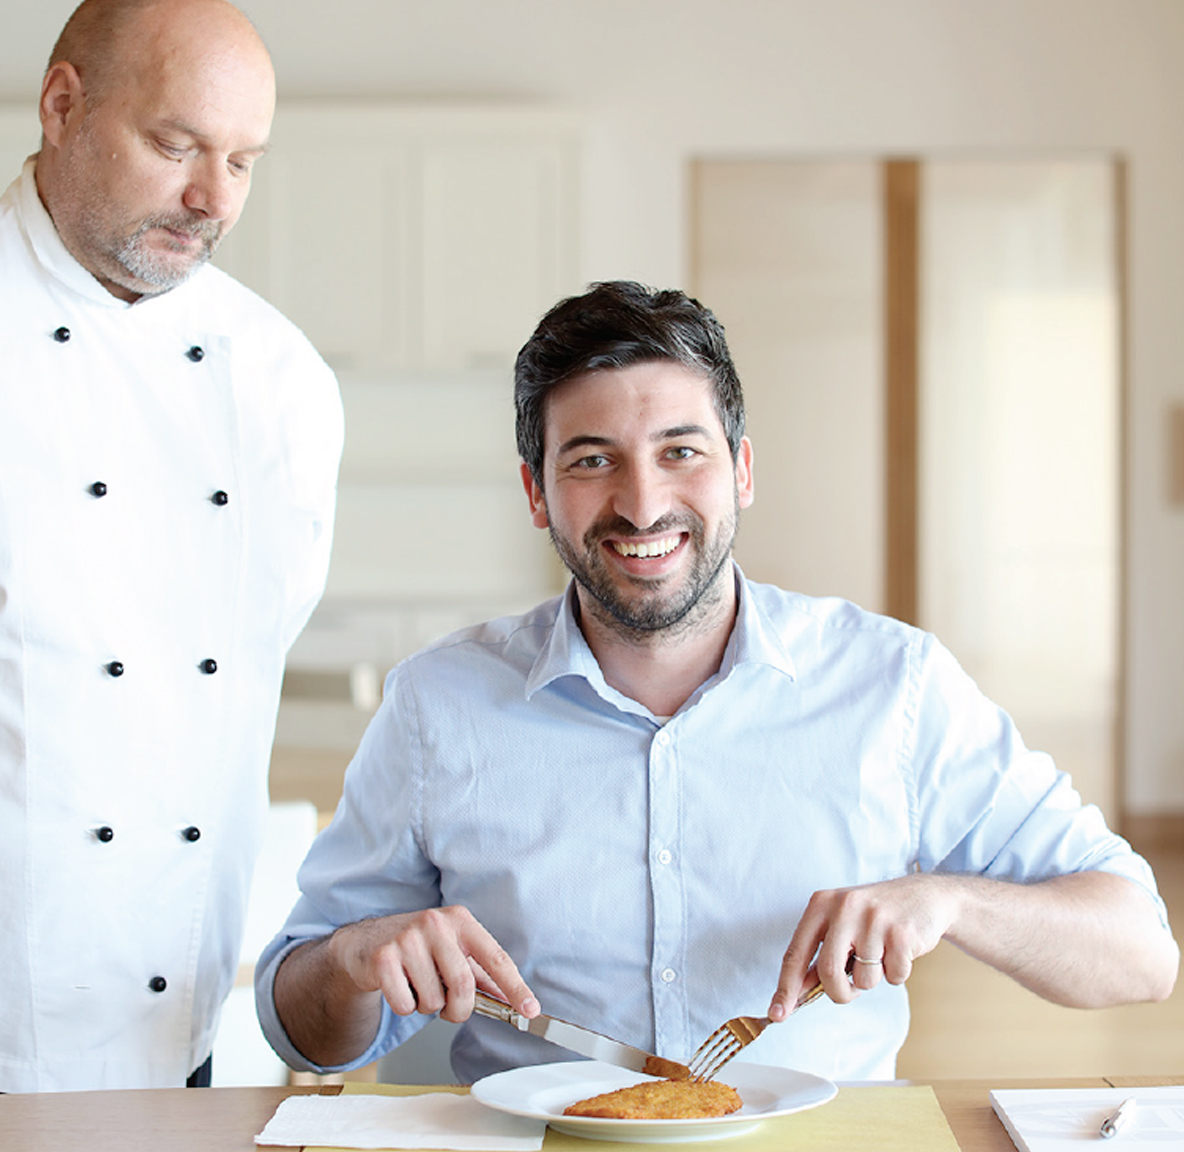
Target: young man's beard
{"points": [[653, 610]]}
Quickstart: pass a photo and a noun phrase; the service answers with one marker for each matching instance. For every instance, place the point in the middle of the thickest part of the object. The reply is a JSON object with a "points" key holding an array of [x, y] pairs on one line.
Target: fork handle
{"points": [[817, 990], [810, 996]]}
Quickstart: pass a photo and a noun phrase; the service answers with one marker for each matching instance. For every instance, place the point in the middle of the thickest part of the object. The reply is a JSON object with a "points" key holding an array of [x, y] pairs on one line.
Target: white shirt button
{"points": [[663, 738], [665, 856], [669, 975]]}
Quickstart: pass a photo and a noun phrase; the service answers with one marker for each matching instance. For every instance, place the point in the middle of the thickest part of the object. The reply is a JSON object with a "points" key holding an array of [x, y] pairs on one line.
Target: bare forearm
{"points": [[1086, 940], [329, 992], [327, 1018]]}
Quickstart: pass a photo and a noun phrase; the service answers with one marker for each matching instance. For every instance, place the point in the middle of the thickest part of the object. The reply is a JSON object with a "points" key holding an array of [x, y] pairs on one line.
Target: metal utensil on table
{"points": [[730, 1038], [582, 1040]]}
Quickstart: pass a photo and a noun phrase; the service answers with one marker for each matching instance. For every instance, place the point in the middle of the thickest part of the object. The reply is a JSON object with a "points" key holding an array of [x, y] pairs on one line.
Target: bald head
{"points": [[100, 33], [152, 113]]}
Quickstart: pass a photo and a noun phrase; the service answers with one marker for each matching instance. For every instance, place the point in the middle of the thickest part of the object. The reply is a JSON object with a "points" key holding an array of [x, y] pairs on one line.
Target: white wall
{"points": [[661, 81]]}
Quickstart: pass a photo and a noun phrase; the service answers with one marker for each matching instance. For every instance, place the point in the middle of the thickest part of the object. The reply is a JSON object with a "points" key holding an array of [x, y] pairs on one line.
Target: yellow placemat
{"points": [[872, 1119], [875, 1118]]}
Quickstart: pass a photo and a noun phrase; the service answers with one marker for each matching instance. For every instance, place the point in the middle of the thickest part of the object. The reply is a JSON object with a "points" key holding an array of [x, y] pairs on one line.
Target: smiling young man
{"points": [[168, 462], [672, 795], [643, 445]]}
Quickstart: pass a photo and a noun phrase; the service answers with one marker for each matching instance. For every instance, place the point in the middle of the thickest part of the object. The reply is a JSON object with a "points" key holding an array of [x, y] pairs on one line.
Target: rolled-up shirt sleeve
{"points": [[1018, 817], [367, 863]]}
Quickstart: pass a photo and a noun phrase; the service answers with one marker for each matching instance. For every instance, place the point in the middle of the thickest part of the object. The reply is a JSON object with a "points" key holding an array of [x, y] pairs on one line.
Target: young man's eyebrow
{"points": [[682, 430], [583, 441], [587, 440]]}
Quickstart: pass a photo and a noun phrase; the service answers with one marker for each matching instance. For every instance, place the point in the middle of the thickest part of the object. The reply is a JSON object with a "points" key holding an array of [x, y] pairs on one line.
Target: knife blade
{"points": [[583, 1041]]}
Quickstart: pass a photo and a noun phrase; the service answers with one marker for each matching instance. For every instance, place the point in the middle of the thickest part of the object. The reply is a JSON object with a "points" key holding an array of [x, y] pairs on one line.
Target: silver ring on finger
{"points": [[861, 960]]}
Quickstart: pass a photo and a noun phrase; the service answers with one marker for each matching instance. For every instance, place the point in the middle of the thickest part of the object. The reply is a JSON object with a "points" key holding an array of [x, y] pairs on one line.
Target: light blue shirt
{"points": [[647, 877]]}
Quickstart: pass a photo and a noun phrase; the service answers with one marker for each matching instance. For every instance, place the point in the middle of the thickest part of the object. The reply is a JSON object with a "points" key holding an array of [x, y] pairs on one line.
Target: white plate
{"points": [[542, 1091]]}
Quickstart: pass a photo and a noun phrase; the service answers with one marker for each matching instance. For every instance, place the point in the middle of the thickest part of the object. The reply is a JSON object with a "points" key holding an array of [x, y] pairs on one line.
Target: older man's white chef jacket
{"points": [[167, 482]]}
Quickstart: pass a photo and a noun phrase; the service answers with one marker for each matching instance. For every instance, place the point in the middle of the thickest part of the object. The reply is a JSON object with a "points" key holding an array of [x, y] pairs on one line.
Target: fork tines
{"points": [[724, 1043]]}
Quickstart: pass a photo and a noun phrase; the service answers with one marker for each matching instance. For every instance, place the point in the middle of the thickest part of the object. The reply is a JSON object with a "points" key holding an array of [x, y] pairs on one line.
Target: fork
{"points": [[730, 1038]]}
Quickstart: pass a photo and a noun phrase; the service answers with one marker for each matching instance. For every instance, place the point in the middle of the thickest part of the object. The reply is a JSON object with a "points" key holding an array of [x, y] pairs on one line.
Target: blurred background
{"points": [[946, 238]]}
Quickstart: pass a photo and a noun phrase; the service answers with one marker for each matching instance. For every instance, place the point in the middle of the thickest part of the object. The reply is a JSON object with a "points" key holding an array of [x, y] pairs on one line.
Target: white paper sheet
{"points": [[1064, 1119], [429, 1120]]}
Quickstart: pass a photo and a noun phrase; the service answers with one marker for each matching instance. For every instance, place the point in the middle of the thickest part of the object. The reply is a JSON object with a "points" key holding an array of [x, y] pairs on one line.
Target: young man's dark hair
{"points": [[614, 325]]}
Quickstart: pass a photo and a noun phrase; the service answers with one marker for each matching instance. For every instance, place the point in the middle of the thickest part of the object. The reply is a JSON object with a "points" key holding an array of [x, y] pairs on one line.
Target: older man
{"points": [[168, 457], [672, 795]]}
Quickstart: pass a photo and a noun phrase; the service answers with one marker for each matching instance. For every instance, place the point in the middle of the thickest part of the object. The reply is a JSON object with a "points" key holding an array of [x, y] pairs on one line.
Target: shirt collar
{"points": [[566, 652], [754, 640]]}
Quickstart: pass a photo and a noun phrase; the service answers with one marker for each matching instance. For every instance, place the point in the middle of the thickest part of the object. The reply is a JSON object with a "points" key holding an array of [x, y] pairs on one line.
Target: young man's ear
{"points": [[534, 496], [744, 485]]}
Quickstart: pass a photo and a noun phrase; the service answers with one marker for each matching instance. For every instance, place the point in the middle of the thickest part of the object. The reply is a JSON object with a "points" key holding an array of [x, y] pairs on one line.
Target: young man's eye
{"points": [[682, 452]]}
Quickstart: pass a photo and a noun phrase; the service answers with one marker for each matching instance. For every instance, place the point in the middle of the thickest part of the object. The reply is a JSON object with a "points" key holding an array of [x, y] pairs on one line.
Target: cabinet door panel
{"points": [[339, 261], [493, 248]]}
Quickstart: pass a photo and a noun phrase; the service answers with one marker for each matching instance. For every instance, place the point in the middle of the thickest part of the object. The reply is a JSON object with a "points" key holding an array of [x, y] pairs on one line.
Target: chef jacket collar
{"points": [[754, 640]]}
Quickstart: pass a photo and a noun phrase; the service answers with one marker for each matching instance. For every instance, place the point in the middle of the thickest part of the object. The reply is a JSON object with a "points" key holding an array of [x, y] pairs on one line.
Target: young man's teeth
{"points": [[653, 548]]}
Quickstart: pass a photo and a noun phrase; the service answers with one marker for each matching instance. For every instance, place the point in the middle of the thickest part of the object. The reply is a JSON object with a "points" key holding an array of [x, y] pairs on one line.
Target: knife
{"points": [[582, 1040]]}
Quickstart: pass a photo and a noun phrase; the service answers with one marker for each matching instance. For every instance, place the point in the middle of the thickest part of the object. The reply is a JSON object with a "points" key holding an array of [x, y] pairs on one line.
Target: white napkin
{"points": [[429, 1120]]}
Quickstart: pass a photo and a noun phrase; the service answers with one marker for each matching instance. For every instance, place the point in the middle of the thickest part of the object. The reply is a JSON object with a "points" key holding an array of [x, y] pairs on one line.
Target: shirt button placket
{"points": [[668, 959]]}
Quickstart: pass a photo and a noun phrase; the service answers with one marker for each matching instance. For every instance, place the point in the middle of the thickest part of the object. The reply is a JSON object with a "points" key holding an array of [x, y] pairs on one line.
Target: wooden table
{"points": [[226, 1119]]}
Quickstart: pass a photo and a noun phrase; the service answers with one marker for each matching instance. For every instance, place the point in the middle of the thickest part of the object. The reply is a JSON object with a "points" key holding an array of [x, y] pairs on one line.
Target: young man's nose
{"points": [[642, 496]]}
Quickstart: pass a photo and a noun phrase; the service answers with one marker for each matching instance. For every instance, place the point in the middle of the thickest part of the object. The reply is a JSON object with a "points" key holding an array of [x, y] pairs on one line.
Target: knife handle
{"points": [[486, 1005]]}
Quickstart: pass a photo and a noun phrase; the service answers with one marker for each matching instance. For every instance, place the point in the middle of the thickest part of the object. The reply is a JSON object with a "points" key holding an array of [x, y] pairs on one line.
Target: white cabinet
{"points": [[404, 239]]}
